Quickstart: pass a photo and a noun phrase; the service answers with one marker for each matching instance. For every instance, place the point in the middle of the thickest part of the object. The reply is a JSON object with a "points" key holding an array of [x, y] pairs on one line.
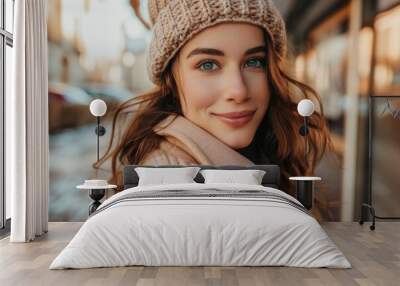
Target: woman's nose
{"points": [[235, 87]]}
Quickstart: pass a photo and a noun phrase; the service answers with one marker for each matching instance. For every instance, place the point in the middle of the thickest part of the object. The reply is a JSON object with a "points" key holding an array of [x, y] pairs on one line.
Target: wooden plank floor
{"points": [[375, 257]]}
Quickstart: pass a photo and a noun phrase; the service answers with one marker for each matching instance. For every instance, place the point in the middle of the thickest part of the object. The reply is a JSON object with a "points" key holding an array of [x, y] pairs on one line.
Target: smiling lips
{"points": [[236, 119]]}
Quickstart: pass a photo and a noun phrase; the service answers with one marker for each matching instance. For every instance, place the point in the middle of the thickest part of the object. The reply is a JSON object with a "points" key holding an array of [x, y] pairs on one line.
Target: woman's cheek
{"points": [[200, 96], [259, 90]]}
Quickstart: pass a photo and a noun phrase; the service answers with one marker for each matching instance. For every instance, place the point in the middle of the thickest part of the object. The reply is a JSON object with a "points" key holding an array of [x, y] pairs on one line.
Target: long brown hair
{"points": [[277, 137]]}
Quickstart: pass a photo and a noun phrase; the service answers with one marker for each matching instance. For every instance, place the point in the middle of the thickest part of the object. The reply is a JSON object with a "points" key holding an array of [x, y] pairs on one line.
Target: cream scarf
{"points": [[198, 143]]}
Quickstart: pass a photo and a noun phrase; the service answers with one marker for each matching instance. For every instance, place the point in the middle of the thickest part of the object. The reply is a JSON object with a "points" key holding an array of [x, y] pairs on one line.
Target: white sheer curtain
{"points": [[27, 173]]}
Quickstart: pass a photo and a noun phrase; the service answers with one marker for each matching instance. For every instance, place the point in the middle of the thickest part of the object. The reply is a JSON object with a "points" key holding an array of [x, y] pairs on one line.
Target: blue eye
{"points": [[256, 63], [206, 66]]}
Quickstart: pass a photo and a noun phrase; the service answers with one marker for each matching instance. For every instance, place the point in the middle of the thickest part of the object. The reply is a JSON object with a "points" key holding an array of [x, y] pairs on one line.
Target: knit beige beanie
{"points": [[176, 21]]}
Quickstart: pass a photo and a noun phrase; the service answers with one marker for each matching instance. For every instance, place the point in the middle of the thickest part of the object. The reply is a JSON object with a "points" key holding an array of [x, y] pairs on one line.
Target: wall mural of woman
{"points": [[223, 94]]}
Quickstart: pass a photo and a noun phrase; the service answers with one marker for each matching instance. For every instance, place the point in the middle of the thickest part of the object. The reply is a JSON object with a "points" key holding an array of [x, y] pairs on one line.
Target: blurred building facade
{"points": [[349, 51], [96, 49]]}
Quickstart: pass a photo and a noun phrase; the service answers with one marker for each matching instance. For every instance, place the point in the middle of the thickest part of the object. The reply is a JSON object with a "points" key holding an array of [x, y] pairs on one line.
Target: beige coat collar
{"points": [[201, 145]]}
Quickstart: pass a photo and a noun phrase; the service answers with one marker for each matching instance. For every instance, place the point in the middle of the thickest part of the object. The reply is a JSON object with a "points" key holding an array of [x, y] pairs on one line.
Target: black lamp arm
{"points": [[100, 131], [304, 132], [306, 138]]}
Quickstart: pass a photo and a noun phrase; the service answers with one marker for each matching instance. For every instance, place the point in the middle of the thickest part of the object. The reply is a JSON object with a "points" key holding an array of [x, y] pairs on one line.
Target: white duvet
{"points": [[183, 231]]}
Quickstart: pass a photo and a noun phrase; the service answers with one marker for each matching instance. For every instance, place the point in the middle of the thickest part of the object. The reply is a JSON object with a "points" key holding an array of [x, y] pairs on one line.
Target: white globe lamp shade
{"points": [[98, 107], [305, 107]]}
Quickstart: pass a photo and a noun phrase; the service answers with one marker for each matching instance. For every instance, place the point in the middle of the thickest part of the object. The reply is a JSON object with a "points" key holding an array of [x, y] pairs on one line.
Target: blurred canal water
{"points": [[72, 153]]}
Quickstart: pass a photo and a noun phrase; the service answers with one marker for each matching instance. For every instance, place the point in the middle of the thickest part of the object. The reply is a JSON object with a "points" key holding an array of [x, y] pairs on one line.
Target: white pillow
{"points": [[248, 177], [162, 176]]}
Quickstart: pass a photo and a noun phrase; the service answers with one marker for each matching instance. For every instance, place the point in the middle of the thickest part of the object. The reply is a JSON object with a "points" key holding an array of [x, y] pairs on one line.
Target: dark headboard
{"points": [[271, 177]]}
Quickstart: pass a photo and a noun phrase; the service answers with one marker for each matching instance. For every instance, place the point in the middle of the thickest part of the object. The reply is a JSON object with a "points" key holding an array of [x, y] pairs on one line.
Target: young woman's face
{"points": [[222, 83]]}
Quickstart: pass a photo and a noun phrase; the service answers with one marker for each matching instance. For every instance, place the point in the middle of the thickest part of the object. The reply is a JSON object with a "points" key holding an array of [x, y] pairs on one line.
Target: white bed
{"points": [[221, 225]]}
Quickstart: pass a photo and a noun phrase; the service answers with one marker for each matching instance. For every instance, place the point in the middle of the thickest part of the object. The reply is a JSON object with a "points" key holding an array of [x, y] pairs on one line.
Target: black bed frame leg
{"points": [[372, 212]]}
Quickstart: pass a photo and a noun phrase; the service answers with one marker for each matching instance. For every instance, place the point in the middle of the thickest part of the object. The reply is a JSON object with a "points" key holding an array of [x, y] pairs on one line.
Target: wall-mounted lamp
{"points": [[305, 185], [305, 108], [96, 187], [98, 108]]}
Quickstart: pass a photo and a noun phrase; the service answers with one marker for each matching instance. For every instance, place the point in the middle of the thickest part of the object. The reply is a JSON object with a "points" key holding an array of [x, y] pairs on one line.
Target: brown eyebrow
{"points": [[215, 52]]}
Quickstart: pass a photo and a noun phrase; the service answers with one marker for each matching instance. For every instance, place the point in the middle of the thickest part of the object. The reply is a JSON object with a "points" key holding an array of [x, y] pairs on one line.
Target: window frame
{"points": [[6, 39]]}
